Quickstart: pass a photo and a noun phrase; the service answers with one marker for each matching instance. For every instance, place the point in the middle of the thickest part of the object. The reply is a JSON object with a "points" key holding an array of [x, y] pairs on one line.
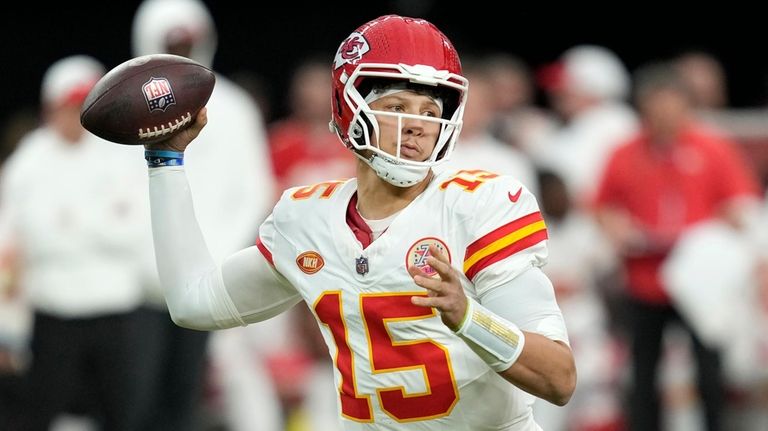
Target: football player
{"points": [[427, 287]]}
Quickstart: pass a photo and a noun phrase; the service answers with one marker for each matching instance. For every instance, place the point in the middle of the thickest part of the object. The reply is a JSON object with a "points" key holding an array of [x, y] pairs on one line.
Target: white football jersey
{"points": [[396, 365]]}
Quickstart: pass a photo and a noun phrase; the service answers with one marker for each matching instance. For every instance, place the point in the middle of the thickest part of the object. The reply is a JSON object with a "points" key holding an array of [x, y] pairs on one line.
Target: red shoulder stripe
{"points": [[503, 242], [263, 249]]}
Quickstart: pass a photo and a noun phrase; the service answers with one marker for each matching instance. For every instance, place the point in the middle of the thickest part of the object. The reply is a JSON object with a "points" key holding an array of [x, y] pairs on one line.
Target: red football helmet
{"points": [[403, 50]]}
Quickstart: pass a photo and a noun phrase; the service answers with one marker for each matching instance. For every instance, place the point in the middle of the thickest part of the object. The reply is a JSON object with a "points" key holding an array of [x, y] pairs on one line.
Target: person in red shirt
{"points": [[303, 151], [672, 174]]}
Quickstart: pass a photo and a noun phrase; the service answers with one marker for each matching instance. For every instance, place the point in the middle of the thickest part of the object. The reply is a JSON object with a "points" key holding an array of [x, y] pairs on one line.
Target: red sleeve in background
{"points": [[735, 177]]}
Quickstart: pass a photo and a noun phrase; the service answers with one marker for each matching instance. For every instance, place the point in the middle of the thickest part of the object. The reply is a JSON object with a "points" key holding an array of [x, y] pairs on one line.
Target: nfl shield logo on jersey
{"points": [[361, 265]]}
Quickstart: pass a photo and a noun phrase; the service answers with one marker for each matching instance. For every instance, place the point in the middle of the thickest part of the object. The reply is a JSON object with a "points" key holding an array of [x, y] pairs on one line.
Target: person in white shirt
{"points": [[234, 187], [72, 210], [588, 88], [427, 287]]}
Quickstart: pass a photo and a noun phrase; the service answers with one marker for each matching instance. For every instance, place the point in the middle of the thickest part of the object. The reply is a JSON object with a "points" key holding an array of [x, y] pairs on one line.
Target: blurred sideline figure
{"points": [[303, 150], [258, 88], [579, 257], [705, 77], [15, 316], [477, 148], [517, 120], [671, 175], [76, 221], [234, 190], [587, 88], [717, 275]]}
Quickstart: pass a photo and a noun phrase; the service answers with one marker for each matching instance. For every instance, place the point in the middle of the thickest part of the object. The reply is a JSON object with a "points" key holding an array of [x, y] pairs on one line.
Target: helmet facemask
{"points": [[363, 134]]}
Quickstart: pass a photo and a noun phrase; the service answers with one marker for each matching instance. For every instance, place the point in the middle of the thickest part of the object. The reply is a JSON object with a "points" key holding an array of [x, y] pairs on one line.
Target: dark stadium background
{"points": [[272, 37]]}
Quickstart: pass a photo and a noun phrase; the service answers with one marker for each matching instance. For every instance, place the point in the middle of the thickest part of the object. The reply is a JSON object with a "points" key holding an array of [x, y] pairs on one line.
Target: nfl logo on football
{"points": [[361, 265], [158, 94]]}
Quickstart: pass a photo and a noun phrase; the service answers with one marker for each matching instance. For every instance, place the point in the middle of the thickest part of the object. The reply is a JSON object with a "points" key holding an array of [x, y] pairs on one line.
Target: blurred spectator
{"points": [[671, 175], [579, 256], [229, 172], [259, 90], [21, 122], [517, 120], [477, 148], [304, 150], [587, 88], [705, 77], [15, 323], [710, 274], [74, 215], [15, 315]]}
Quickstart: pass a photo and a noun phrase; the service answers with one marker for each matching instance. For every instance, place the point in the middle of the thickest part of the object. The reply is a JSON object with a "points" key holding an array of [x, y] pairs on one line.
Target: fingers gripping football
{"points": [[181, 140], [444, 292]]}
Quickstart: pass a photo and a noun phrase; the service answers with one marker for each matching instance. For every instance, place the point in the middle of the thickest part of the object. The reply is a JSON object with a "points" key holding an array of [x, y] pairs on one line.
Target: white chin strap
{"points": [[395, 173]]}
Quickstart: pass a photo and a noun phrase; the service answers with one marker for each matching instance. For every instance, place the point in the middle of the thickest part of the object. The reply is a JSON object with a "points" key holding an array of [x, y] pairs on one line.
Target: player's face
{"points": [[417, 137]]}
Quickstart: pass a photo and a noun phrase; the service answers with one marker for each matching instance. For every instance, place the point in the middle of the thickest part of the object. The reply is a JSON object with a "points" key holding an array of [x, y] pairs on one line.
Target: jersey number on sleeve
{"points": [[307, 192], [468, 179], [389, 355]]}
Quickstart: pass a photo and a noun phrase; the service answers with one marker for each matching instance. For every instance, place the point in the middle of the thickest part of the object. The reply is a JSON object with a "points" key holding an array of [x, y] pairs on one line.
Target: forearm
{"points": [[537, 364], [542, 363], [545, 368], [188, 274], [200, 293]]}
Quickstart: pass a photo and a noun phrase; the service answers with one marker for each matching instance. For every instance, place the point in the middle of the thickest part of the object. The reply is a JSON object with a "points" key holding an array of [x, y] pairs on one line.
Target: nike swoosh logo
{"points": [[516, 196]]}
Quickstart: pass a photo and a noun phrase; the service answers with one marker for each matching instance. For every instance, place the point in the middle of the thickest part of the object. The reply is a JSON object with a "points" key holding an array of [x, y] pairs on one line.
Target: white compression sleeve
{"points": [[188, 273], [193, 284]]}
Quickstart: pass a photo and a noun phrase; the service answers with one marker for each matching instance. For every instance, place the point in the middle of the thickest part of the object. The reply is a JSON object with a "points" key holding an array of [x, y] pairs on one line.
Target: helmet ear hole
{"points": [[356, 131], [357, 134]]}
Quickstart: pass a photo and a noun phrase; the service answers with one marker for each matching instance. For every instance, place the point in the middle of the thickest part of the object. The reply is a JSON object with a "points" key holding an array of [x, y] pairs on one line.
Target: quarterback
{"points": [[427, 287]]}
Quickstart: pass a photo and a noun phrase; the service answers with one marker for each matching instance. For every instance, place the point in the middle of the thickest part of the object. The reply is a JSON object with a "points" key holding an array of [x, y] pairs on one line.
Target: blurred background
{"points": [[268, 44], [553, 94]]}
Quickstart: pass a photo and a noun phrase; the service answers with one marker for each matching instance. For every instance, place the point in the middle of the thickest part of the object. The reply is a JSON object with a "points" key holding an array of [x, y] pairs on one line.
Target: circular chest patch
{"points": [[419, 252]]}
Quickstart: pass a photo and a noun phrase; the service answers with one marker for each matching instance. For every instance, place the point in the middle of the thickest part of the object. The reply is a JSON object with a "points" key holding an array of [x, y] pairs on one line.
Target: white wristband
{"points": [[498, 342]]}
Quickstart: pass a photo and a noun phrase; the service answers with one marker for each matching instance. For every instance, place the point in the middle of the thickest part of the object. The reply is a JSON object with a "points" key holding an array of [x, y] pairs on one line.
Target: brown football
{"points": [[147, 99]]}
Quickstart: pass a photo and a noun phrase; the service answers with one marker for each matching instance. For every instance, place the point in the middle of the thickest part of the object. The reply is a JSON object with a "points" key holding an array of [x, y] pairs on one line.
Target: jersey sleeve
{"points": [[529, 301], [507, 234], [266, 239]]}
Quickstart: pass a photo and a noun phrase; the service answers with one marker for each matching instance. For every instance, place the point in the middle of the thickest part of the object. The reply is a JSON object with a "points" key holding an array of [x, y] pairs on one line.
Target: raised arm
{"points": [[200, 293]]}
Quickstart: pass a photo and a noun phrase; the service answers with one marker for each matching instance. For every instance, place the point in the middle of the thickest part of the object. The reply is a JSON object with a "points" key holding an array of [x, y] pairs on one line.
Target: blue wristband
{"points": [[158, 158]]}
